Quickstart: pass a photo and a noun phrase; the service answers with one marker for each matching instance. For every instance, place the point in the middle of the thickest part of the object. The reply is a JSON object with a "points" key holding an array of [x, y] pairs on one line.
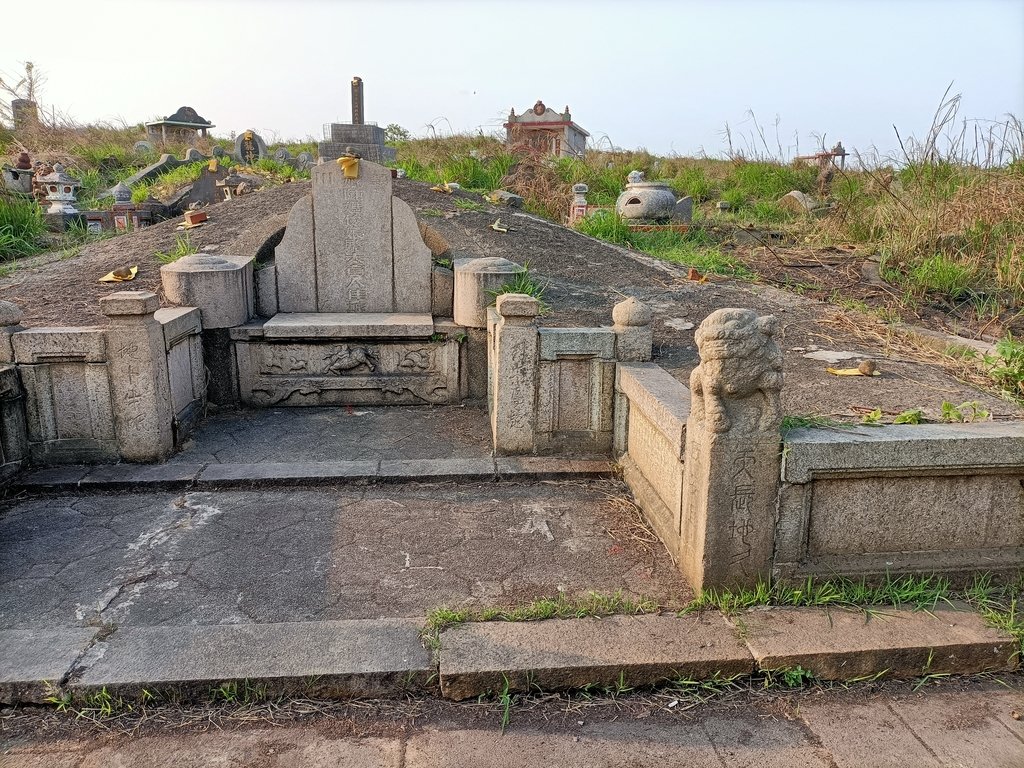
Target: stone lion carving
{"points": [[739, 360]]}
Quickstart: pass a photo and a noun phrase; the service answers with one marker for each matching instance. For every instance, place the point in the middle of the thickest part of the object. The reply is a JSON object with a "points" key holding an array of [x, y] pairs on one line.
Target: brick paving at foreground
{"points": [[969, 724]]}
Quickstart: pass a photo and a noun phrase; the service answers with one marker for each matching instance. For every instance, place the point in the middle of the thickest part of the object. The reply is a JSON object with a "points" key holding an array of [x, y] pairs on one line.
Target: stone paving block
{"points": [[152, 476], [747, 739], [968, 732], [29, 658], [333, 659], [435, 469], [553, 467], [264, 747], [850, 730], [52, 477], [603, 745], [841, 644], [563, 654], [285, 473]]}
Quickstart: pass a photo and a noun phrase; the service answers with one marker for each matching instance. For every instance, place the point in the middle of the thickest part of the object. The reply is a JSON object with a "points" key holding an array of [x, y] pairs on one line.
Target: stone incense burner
{"points": [[645, 199]]}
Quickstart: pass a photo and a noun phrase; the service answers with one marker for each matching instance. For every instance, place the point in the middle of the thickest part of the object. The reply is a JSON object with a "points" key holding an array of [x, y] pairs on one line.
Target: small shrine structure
{"points": [[543, 130]]}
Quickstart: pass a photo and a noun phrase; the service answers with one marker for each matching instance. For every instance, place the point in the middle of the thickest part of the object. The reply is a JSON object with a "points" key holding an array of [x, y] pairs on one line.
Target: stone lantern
{"points": [[60, 191], [578, 209]]}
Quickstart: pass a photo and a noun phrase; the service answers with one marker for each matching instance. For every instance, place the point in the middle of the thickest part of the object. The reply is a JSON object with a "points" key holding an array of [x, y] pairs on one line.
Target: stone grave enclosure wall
{"points": [[856, 502], [552, 390], [902, 498], [130, 391]]}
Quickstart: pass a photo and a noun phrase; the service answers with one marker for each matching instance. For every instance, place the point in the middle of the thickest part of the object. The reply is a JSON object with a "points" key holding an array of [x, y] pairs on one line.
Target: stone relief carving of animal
{"points": [[286, 364], [348, 358], [739, 359], [416, 360]]}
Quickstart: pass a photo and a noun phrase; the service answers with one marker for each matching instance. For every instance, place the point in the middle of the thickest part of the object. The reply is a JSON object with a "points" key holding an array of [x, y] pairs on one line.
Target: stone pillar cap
{"points": [[10, 313], [632, 312], [129, 303], [517, 305], [204, 262], [487, 264]]}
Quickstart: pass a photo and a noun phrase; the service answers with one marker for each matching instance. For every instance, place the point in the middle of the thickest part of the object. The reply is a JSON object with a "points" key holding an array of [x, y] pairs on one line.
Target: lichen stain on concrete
{"points": [[131, 579]]}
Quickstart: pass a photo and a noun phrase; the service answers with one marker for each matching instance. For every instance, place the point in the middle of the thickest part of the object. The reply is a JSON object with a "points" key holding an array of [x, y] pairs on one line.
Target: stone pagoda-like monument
{"points": [[362, 138]]}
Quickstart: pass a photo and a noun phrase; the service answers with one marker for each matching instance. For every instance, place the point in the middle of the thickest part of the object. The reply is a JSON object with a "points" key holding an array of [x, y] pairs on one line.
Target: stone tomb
{"points": [[352, 284]]}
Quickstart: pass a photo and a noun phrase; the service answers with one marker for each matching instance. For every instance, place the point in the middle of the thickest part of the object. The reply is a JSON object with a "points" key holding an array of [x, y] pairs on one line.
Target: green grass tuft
{"points": [[182, 247], [22, 227]]}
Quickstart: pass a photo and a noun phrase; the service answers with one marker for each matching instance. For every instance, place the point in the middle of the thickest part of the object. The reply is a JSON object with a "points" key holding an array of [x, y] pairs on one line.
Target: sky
{"points": [[665, 76]]}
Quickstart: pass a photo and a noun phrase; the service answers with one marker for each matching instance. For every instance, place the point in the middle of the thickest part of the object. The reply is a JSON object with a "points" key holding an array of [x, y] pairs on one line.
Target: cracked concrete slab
{"points": [[291, 435], [316, 554]]}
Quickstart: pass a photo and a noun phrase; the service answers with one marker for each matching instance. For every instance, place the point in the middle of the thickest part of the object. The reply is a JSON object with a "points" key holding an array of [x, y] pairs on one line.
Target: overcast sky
{"points": [[667, 76]]}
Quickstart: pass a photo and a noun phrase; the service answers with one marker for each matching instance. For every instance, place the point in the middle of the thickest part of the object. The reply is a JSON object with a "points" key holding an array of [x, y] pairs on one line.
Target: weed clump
{"points": [[21, 227]]}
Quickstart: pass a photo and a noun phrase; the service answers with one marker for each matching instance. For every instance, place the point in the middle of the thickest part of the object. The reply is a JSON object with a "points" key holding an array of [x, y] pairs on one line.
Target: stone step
{"points": [[141, 477], [323, 659], [35, 659], [843, 644], [562, 654], [386, 657], [632, 651]]}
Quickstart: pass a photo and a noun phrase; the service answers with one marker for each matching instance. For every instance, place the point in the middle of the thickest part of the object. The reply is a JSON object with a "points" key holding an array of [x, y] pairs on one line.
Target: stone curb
{"points": [[171, 477], [386, 657], [563, 654], [833, 645], [846, 644]]}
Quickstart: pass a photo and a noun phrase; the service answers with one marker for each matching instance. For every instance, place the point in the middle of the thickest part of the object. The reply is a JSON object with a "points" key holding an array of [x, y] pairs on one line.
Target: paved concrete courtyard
{"points": [[276, 555], [339, 434]]}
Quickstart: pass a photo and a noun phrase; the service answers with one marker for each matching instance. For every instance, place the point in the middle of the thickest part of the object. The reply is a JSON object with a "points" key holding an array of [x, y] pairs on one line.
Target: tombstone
{"points": [[206, 190], [305, 160], [25, 113], [367, 139], [219, 152], [684, 210], [282, 155], [142, 148], [249, 148], [352, 277]]}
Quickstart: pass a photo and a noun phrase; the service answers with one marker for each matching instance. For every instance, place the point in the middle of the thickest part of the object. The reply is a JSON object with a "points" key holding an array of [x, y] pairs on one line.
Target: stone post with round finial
{"points": [[634, 335]]}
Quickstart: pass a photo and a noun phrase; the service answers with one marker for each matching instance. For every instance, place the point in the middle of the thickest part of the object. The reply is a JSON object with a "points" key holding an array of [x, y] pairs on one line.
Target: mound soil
{"points": [[584, 279]]}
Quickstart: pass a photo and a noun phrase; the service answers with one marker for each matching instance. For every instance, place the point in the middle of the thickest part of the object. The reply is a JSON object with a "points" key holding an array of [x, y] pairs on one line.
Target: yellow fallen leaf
{"points": [[496, 226], [850, 372], [442, 188], [120, 275]]}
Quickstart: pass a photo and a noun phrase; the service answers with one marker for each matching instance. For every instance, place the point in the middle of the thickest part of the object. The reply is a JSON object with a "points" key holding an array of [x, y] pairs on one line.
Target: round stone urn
{"points": [[646, 200]]}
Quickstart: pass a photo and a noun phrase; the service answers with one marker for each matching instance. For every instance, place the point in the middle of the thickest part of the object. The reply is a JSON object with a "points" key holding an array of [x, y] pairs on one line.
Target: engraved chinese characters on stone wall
{"points": [[132, 398], [353, 239], [742, 500]]}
